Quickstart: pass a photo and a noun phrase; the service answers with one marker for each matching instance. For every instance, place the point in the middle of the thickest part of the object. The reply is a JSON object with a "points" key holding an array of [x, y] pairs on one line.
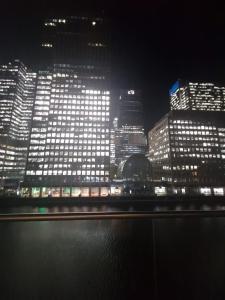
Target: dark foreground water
{"points": [[139, 206], [178, 258]]}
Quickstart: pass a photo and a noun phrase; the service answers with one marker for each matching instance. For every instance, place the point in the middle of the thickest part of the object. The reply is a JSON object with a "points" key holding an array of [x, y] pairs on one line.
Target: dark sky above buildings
{"points": [[154, 42]]}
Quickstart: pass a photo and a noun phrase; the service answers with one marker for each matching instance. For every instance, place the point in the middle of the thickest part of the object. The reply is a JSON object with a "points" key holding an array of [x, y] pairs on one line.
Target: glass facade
{"points": [[70, 135], [128, 133], [197, 96], [17, 91], [81, 40], [187, 148], [129, 140], [69, 149]]}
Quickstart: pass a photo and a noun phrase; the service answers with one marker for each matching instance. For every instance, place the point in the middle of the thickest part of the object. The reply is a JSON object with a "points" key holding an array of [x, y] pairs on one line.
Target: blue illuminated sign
{"points": [[174, 88]]}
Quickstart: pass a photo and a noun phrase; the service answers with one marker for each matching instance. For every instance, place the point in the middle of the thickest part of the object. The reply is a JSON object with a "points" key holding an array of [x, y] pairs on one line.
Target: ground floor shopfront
{"points": [[84, 191], [119, 190]]}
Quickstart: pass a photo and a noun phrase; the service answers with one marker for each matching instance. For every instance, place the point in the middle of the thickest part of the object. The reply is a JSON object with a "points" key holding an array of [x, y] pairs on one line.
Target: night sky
{"points": [[154, 42]]}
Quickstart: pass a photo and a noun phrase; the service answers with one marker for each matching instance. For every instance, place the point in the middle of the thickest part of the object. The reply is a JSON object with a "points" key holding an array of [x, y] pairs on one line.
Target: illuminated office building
{"points": [[70, 137], [129, 136], [197, 96], [129, 140], [17, 90], [112, 141], [187, 152], [69, 152]]}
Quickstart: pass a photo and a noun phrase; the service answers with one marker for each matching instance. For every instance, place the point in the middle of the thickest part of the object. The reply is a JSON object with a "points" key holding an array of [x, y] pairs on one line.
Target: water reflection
{"points": [[113, 259], [178, 208], [42, 210], [205, 207], [117, 207]]}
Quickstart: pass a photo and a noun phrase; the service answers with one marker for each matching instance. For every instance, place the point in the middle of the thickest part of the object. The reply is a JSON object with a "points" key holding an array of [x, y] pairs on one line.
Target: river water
{"points": [[94, 207], [167, 258]]}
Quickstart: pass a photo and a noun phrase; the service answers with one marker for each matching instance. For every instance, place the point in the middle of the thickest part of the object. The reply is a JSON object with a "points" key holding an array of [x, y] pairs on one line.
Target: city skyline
{"points": [[80, 131], [112, 149], [70, 129]]}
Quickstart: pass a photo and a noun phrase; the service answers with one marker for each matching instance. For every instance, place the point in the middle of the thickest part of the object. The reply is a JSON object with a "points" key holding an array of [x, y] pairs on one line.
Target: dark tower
{"points": [[81, 40]]}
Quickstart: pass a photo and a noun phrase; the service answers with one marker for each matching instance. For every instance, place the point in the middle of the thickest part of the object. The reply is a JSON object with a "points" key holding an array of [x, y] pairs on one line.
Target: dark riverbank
{"points": [[126, 200], [72, 208]]}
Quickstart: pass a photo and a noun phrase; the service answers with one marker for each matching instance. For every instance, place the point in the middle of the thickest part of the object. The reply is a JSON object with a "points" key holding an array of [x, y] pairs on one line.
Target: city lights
{"points": [[62, 135], [197, 96], [17, 91], [128, 131], [70, 135], [186, 148]]}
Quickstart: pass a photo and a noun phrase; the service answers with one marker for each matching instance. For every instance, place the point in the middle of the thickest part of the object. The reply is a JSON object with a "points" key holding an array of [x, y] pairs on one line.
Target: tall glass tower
{"points": [[70, 136], [129, 136], [81, 40], [17, 90]]}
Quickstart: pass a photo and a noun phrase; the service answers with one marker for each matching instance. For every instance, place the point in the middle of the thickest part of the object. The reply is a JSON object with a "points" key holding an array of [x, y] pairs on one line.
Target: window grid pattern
{"points": [[199, 97], [70, 137], [188, 150]]}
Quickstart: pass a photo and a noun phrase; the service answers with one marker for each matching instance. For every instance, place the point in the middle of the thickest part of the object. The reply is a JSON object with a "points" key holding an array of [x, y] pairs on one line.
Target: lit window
{"points": [[47, 45]]}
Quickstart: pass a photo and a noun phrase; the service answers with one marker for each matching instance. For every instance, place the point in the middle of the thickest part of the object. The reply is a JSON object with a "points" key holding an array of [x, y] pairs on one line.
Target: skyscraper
{"points": [[70, 136], [69, 143], [130, 108], [81, 40], [17, 89], [129, 137], [197, 96]]}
